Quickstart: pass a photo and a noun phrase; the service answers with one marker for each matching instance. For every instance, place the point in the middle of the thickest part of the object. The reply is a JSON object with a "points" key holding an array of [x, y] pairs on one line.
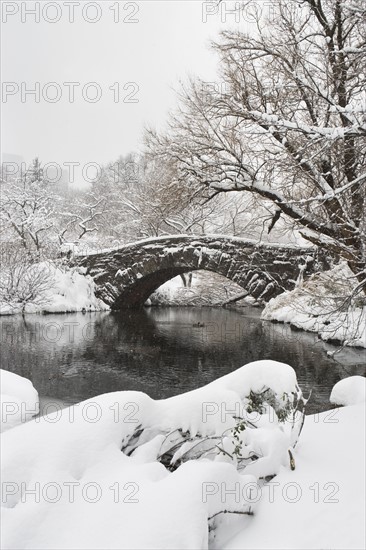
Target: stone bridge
{"points": [[127, 276]]}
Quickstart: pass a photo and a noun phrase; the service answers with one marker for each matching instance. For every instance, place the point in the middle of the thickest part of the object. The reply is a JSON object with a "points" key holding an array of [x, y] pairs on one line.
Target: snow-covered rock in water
{"points": [[19, 400], [317, 306], [349, 391]]}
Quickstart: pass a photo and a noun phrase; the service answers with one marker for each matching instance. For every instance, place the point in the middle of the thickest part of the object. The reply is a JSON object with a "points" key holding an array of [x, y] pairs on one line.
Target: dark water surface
{"points": [[162, 351]]}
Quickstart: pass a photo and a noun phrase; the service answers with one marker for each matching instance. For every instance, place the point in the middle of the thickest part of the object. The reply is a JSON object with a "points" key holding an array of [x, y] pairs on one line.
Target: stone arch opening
{"points": [[138, 292], [143, 287], [202, 288]]}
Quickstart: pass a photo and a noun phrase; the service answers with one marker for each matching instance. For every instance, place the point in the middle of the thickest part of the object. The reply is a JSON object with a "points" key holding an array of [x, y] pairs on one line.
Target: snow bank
{"points": [[258, 375], [321, 504], [349, 391], [317, 307], [66, 484], [89, 494], [19, 400], [74, 291], [167, 292], [71, 290]]}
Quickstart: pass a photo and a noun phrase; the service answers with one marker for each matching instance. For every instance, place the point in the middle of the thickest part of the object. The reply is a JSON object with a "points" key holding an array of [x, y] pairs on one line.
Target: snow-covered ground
{"points": [[320, 305], [19, 400], [66, 483], [322, 503], [68, 290]]}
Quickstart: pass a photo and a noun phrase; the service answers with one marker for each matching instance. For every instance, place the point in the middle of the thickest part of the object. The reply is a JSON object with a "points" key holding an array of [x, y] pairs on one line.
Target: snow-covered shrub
{"points": [[73, 290], [282, 405], [24, 282], [266, 407], [48, 287]]}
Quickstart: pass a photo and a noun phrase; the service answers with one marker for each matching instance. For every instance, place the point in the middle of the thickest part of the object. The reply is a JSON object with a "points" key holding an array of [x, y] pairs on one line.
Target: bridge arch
{"points": [[127, 276]]}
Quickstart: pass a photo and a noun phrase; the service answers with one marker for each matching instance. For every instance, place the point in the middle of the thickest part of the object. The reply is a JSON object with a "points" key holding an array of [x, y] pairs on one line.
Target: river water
{"points": [[162, 351]]}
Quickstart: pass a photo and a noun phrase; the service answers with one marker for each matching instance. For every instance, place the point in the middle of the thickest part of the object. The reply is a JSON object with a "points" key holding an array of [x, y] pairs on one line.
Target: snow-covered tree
{"points": [[81, 214], [27, 208], [289, 126], [145, 198]]}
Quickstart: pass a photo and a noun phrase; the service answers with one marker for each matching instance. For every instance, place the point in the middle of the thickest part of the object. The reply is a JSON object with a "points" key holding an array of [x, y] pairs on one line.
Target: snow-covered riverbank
{"points": [[320, 305], [184, 461], [62, 290]]}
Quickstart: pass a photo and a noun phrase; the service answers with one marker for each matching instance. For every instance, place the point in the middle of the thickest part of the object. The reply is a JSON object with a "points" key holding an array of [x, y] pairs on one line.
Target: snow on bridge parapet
{"points": [[127, 276]]}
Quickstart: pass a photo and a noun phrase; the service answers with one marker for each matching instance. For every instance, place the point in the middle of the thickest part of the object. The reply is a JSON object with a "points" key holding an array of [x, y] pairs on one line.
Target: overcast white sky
{"points": [[168, 42]]}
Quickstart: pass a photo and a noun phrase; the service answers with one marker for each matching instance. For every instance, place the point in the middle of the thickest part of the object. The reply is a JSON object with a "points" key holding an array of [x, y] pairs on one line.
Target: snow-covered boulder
{"points": [[349, 391], [19, 400]]}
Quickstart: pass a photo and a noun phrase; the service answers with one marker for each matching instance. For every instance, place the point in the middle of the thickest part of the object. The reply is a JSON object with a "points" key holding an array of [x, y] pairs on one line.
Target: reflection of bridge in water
{"points": [[127, 276]]}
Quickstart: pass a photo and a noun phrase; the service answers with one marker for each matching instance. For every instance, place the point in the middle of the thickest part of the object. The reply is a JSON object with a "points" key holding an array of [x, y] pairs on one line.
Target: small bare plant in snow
{"points": [[22, 281]]}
